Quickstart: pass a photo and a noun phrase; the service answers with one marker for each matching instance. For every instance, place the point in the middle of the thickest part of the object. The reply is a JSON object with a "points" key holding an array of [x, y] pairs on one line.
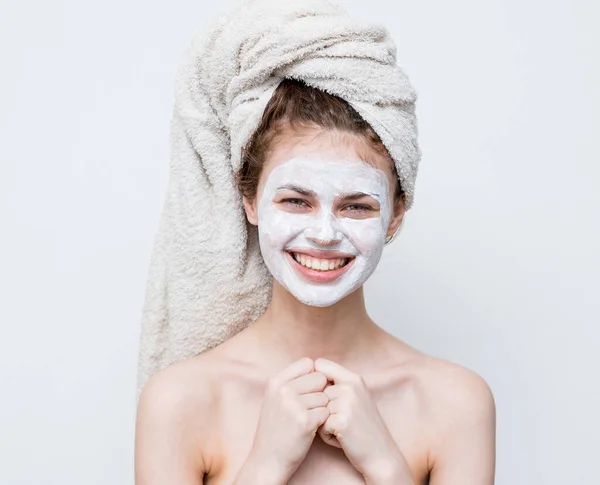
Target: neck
{"points": [[342, 332]]}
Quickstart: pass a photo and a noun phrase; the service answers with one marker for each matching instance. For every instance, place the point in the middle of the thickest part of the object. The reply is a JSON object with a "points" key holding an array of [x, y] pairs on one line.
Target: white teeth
{"points": [[319, 264]]}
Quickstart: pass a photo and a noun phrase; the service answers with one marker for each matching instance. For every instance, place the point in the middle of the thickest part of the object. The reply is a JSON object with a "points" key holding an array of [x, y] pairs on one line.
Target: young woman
{"points": [[314, 391]]}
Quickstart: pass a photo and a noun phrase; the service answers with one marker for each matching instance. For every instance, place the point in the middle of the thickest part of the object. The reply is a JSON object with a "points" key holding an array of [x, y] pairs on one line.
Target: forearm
{"points": [[391, 471], [254, 473]]}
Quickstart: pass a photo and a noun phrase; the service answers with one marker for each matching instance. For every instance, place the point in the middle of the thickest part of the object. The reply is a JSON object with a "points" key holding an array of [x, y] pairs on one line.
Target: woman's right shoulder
{"points": [[189, 382], [176, 412]]}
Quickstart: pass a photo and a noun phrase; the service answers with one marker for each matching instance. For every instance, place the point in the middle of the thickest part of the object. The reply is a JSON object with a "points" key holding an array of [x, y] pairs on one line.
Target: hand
{"points": [[293, 408], [355, 425]]}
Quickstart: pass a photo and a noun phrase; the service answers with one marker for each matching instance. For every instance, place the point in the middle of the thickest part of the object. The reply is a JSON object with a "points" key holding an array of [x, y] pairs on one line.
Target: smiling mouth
{"points": [[319, 264]]}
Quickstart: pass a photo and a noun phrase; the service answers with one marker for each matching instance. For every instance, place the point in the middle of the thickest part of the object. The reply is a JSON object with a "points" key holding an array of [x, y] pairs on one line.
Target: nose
{"points": [[324, 232]]}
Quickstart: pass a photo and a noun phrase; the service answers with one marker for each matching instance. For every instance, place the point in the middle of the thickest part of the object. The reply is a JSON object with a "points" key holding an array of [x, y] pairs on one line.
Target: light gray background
{"points": [[497, 267]]}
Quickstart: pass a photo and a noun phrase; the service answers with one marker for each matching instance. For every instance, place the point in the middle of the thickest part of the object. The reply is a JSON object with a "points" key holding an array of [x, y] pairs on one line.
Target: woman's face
{"points": [[323, 215]]}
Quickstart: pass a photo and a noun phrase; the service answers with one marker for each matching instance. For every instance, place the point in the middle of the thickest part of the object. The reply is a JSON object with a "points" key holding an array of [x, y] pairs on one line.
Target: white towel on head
{"points": [[207, 280]]}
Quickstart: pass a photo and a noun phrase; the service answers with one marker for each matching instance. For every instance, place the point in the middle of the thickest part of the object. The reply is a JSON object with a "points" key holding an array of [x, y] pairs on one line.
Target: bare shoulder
{"points": [[463, 422], [449, 394], [457, 395], [439, 379], [452, 394], [173, 425], [180, 387]]}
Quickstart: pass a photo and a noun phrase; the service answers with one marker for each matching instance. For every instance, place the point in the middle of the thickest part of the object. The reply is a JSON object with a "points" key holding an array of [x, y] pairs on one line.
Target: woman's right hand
{"points": [[293, 408]]}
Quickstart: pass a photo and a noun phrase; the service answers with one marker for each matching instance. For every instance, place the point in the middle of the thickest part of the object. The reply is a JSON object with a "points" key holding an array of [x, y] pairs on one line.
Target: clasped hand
{"points": [[355, 424]]}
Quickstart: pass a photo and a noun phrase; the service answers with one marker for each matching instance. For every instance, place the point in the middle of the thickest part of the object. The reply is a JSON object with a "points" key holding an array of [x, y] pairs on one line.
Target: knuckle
{"points": [[322, 379]]}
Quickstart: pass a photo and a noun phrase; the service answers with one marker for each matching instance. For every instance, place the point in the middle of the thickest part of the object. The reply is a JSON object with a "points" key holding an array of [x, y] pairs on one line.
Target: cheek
{"points": [[277, 227], [364, 234]]}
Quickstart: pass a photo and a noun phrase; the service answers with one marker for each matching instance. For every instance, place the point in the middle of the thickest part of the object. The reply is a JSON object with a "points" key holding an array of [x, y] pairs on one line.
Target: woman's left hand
{"points": [[356, 426]]}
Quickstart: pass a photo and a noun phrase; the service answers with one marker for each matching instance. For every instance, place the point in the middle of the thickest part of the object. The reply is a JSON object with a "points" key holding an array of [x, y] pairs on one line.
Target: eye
{"points": [[358, 208], [294, 202]]}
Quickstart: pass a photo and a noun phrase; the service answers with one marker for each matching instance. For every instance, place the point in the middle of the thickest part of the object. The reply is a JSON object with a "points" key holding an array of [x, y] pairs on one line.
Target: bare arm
{"points": [[166, 436], [465, 451], [252, 473]]}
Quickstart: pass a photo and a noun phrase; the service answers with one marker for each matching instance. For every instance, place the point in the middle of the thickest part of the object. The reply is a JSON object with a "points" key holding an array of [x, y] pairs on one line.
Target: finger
{"points": [[334, 406], [317, 416], [294, 370], [313, 382], [334, 371], [314, 400], [330, 439], [335, 391], [331, 425]]}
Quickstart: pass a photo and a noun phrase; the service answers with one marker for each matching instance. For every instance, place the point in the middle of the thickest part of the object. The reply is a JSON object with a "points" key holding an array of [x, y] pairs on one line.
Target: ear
{"points": [[397, 218], [250, 208]]}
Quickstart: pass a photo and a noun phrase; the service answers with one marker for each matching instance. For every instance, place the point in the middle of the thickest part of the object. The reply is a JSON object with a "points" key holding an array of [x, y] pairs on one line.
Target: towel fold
{"points": [[207, 280]]}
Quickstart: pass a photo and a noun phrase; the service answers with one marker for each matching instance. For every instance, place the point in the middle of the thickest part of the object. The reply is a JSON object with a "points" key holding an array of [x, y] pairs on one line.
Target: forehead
{"points": [[328, 177]]}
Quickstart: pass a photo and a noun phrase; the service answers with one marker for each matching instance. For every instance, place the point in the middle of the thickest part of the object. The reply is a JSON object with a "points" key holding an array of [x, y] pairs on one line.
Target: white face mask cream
{"points": [[318, 237]]}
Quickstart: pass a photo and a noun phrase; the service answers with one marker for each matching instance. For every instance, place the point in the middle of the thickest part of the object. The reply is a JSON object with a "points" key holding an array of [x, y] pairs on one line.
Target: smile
{"points": [[320, 270], [319, 264]]}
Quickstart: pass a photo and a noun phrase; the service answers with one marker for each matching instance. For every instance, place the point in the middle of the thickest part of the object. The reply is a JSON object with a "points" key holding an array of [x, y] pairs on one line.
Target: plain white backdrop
{"points": [[497, 267]]}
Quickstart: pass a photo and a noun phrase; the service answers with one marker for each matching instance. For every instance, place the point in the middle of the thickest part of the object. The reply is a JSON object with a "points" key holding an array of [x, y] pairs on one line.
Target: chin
{"points": [[325, 297]]}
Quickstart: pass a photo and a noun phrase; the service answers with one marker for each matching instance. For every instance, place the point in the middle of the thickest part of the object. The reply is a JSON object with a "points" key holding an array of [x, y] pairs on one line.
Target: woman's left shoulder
{"points": [[459, 395], [440, 379]]}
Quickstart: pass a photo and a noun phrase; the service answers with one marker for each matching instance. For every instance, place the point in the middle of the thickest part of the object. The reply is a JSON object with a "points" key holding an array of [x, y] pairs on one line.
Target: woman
{"points": [[314, 391]]}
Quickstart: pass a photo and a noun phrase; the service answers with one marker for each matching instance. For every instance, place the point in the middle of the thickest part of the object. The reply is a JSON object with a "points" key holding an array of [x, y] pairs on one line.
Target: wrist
{"points": [[389, 471], [257, 472]]}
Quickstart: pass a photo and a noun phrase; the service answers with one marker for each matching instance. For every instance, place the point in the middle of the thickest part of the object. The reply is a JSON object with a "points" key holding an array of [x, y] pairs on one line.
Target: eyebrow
{"points": [[310, 193], [358, 195], [300, 190]]}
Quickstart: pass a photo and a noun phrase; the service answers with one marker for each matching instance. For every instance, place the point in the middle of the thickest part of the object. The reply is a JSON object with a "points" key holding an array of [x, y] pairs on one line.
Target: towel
{"points": [[207, 280]]}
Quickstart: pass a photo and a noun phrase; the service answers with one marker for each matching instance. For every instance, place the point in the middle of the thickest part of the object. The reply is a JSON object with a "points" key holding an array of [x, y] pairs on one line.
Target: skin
{"points": [[324, 218], [308, 395]]}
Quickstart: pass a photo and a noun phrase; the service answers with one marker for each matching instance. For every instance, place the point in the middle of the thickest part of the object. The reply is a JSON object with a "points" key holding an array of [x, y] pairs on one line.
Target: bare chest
{"points": [[324, 464]]}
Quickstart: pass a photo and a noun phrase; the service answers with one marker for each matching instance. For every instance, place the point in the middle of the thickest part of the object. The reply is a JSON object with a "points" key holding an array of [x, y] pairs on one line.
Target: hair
{"points": [[297, 107]]}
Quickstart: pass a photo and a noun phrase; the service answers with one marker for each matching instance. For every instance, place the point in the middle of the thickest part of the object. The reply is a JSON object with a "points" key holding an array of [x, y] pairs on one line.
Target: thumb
{"points": [[327, 436]]}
